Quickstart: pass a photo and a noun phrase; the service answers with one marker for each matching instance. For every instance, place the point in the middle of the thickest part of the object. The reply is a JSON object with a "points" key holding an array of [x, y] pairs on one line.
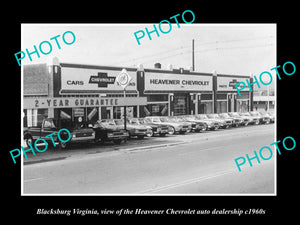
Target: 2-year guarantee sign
{"points": [[123, 79]]}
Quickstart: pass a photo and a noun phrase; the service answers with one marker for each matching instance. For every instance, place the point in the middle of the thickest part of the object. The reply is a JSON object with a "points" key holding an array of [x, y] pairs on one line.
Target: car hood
{"points": [[110, 127], [82, 130], [170, 124]]}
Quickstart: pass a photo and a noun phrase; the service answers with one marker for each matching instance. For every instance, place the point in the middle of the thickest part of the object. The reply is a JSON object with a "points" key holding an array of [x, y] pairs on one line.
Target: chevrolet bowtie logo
{"points": [[102, 80]]}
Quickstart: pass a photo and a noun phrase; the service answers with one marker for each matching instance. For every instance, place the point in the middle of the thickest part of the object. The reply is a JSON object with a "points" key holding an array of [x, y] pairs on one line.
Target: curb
{"points": [[152, 146]]}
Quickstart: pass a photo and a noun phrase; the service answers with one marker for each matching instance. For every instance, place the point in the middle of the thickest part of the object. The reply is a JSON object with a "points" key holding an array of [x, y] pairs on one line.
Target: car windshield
{"points": [[141, 120], [254, 113], [119, 122], [234, 114], [224, 115], [164, 119], [213, 116], [153, 119], [134, 121], [172, 119], [245, 114]]}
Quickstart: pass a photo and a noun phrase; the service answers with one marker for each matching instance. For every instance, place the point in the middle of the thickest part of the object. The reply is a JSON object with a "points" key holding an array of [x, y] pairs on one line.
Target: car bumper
{"points": [[158, 131], [116, 137], [82, 139]]}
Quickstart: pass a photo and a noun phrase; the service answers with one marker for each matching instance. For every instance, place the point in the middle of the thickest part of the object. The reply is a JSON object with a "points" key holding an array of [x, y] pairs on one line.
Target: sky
{"points": [[238, 49]]}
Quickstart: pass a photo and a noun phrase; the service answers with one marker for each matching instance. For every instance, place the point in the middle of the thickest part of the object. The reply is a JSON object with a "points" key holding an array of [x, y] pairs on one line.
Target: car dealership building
{"points": [[91, 92]]}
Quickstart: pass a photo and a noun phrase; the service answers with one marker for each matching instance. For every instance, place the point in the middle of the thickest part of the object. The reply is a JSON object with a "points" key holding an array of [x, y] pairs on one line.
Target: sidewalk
{"points": [[82, 149]]}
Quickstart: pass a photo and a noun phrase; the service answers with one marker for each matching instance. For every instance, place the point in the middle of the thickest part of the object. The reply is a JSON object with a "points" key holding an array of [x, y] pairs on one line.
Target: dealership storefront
{"points": [[176, 92], [227, 99], [87, 93]]}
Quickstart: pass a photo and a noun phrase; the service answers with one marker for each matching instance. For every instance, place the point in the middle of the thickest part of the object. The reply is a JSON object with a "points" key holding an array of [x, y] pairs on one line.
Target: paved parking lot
{"points": [[195, 163]]}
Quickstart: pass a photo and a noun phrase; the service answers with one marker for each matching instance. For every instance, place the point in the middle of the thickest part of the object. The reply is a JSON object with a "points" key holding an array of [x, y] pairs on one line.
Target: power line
{"points": [[153, 55]]}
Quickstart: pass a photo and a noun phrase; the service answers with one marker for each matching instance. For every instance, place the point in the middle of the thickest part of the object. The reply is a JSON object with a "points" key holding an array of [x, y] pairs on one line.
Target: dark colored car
{"points": [[157, 129], [109, 131], [79, 132]]}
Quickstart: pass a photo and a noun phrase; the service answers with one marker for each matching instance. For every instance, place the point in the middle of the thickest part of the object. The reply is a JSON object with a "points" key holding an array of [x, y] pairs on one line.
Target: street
{"points": [[190, 164]]}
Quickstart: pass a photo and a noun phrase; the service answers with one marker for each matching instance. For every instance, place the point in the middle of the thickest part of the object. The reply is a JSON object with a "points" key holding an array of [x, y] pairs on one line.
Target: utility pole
{"points": [[193, 56]]}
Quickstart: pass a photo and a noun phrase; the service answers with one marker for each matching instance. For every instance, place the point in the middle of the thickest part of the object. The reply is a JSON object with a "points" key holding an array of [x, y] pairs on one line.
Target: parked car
{"points": [[135, 121], [174, 127], [246, 119], [134, 130], [79, 132], [263, 119], [157, 129], [236, 120], [109, 131], [179, 120], [253, 119], [197, 125], [224, 123], [211, 123], [271, 114]]}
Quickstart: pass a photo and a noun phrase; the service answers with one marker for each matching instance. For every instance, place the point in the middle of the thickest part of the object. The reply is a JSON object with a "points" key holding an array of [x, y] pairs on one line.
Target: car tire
{"points": [[256, 122], [28, 140], [171, 130], [63, 145], [150, 134]]}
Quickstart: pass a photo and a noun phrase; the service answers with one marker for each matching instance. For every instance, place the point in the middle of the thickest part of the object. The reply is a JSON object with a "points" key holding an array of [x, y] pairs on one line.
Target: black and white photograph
{"points": [[152, 114], [141, 111]]}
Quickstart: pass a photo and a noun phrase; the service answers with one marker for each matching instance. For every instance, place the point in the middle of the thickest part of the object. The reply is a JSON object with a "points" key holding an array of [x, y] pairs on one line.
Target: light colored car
{"points": [[173, 126], [135, 121], [224, 123], [263, 118], [197, 125], [253, 119], [246, 119], [138, 131], [236, 120], [211, 123]]}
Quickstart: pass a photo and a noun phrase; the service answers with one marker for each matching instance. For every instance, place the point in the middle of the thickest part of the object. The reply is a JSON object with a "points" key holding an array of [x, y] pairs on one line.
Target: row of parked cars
{"points": [[113, 129]]}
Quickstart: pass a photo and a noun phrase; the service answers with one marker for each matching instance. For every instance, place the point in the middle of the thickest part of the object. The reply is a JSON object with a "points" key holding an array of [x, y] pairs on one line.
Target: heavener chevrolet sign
{"points": [[177, 82]]}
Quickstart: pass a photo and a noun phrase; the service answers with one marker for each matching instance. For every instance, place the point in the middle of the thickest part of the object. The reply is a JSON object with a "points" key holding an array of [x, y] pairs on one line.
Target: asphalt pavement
{"points": [[190, 164]]}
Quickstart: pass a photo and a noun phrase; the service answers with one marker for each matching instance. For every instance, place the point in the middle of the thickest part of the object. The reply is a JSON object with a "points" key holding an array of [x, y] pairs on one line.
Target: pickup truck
{"points": [[79, 132]]}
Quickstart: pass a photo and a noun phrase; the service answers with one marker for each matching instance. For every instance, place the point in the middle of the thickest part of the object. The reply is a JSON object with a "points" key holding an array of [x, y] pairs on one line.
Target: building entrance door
{"points": [[180, 104]]}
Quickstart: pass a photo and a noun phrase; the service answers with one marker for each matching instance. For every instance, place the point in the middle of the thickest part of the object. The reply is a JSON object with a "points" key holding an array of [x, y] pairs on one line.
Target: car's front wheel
{"points": [[29, 140], [118, 141], [171, 130], [63, 145]]}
